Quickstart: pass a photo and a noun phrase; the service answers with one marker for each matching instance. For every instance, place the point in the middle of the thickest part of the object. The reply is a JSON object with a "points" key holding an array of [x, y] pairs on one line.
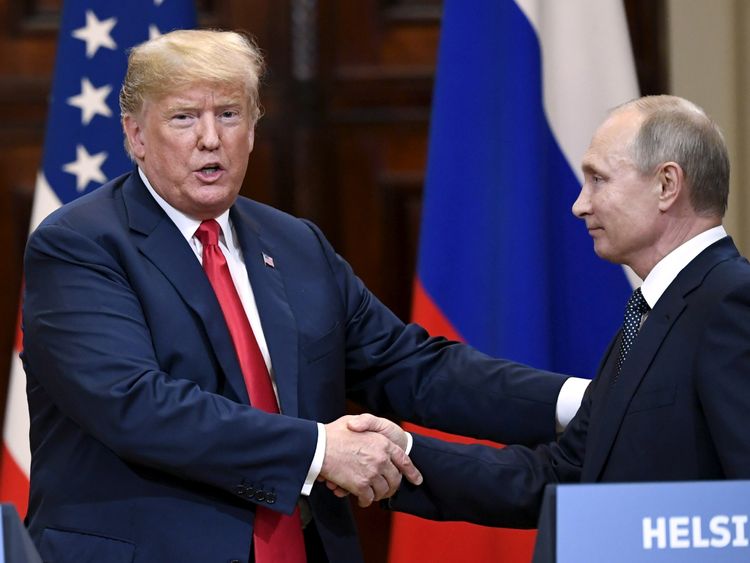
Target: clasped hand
{"points": [[365, 457]]}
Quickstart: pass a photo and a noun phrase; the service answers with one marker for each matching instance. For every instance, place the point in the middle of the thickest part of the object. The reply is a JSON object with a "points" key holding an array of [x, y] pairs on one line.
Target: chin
{"points": [[603, 253]]}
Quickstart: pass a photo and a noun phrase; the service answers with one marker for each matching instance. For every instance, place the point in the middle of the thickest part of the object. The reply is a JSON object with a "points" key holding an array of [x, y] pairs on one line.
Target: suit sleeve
{"points": [[722, 379], [89, 354], [488, 485], [397, 370]]}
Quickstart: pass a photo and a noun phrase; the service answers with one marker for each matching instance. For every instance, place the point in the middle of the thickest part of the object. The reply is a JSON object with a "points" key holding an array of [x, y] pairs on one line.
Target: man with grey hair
{"points": [[189, 352], [671, 401]]}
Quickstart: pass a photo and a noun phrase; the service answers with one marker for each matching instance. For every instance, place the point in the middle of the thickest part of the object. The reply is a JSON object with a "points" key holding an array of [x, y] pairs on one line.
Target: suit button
{"points": [[271, 498], [260, 496], [235, 561], [240, 490]]}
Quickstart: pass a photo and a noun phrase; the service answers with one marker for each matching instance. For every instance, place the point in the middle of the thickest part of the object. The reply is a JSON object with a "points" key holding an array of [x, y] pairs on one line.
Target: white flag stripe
{"points": [[45, 201], [16, 426], [588, 70]]}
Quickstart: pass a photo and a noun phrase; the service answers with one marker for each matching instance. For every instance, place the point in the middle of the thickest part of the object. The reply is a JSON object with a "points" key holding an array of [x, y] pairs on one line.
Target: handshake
{"points": [[365, 456]]}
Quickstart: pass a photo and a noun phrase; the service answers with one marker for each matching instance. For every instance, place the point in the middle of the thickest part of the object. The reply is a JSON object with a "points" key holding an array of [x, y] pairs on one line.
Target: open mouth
{"points": [[210, 173]]}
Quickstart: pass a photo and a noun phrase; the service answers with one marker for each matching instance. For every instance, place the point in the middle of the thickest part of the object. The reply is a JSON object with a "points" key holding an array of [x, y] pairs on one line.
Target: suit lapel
{"points": [[613, 400], [166, 248], [279, 325]]}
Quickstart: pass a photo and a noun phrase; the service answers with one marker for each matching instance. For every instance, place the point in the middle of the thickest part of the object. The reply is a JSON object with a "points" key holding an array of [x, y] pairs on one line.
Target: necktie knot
{"points": [[208, 232], [637, 303], [634, 311]]}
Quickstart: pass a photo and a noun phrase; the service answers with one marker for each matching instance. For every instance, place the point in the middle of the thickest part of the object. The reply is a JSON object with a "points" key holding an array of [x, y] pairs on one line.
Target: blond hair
{"points": [[185, 57]]}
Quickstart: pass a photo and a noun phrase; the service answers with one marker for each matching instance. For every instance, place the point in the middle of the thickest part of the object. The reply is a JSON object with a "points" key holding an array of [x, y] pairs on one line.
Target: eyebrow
{"points": [[189, 104], [180, 106], [589, 168]]}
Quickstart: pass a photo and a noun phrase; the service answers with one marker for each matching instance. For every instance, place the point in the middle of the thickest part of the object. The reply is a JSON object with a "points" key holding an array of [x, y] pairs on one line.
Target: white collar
{"points": [[667, 269]]}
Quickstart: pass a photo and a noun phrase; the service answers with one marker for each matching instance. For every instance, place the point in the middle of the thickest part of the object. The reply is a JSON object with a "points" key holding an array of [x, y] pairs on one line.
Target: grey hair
{"points": [[677, 130]]}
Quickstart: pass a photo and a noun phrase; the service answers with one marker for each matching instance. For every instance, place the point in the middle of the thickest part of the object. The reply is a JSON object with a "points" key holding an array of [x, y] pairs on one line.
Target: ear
{"points": [[671, 180], [134, 135]]}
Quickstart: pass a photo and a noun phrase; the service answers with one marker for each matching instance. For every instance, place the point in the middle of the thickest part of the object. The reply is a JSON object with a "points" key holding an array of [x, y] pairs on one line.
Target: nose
{"points": [[582, 204], [208, 133]]}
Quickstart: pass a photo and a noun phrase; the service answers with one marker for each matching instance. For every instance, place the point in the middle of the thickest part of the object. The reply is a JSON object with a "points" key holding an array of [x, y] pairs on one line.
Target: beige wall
{"points": [[708, 64]]}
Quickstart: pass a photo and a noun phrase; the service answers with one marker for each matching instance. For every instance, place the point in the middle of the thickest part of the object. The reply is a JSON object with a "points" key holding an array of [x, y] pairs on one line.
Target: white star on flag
{"points": [[153, 32], [96, 33], [91, 101], [86, 168], [158, 2]]}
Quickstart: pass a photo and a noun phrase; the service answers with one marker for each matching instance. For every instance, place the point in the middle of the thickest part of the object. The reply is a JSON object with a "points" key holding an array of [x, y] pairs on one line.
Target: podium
{"points": [[668, 522], [17, 546]]}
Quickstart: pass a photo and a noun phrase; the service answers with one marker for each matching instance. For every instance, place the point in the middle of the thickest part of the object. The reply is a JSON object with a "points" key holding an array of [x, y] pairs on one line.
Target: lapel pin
{"points": [[268, 261]]}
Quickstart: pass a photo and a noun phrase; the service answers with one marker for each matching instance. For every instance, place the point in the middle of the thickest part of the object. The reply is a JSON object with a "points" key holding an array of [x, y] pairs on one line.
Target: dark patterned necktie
{"points": [[634, 311]]}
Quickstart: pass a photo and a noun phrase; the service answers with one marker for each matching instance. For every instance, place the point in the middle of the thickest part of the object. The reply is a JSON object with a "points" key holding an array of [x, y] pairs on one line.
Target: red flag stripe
{"points": [[14, 483]]}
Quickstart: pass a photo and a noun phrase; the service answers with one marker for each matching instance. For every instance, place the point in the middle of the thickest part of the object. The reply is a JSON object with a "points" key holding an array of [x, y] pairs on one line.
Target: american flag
{"points": [[83, 148]]}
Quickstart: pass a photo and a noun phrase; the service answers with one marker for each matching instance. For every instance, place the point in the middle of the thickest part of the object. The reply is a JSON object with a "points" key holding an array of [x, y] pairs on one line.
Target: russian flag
{"points": [[83, 148], [503, 264]]}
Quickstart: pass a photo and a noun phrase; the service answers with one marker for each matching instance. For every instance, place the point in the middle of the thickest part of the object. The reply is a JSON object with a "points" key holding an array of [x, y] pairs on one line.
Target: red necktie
{"points": [[276, 536]]}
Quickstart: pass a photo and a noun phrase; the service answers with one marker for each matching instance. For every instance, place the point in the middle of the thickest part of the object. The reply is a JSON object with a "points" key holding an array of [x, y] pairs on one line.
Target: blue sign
{"points": [[661, 522]]}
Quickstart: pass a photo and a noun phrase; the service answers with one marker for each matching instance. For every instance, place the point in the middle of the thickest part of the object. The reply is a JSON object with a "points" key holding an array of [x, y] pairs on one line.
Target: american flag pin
{"points": [[268, 261]]}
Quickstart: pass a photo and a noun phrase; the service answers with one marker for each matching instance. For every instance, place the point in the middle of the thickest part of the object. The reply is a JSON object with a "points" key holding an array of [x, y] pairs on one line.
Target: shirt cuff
{"points": [[409, 442], [317, 461], [568, 401]]}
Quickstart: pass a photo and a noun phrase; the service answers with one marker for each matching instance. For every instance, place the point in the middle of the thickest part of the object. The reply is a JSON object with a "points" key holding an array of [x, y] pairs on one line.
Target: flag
{"points": [[83, 148], [503, 264]]}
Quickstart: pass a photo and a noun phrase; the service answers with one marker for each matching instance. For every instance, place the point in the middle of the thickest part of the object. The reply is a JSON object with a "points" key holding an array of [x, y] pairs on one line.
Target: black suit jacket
{"points": [[144, 446], [679, 410]]}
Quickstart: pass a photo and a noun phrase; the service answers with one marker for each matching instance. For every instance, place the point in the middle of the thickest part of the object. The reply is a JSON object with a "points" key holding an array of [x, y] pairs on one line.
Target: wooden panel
{"points": [[647, 26], [27, 47], [379, 75]]}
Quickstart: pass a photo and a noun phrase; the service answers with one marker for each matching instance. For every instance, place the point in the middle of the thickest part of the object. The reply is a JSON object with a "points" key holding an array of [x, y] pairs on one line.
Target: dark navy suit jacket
{"points": [[680, 410], [144, 446]]}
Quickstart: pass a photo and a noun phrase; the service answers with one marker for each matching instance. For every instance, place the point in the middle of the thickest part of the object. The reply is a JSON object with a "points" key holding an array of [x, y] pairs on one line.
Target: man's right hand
{"points": [[365, 463]]}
